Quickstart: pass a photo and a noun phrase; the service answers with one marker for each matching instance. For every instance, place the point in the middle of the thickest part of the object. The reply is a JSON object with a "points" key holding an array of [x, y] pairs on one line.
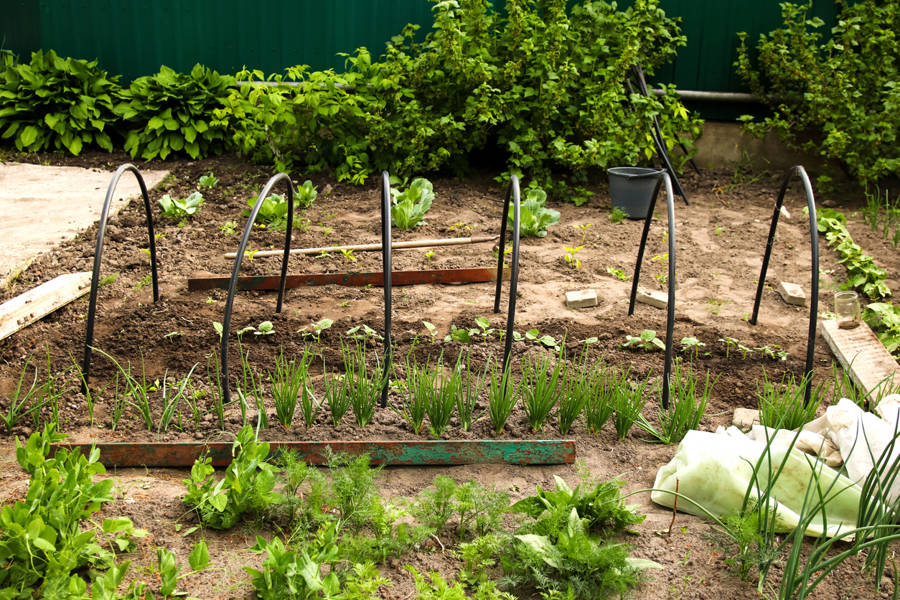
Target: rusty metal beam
{"points": [[387, 452], [375, 278]]}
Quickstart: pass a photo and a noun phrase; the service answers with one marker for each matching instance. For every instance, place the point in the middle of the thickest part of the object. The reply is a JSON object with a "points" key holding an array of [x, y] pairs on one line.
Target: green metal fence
{"points": [[135, 37]]}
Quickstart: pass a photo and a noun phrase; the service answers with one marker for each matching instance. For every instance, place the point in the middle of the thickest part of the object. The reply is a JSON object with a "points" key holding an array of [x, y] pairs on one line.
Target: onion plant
{"points": [[421, 390], [541, 386], [337, 396], [443, 401], [362, 388], [784, 406], [135, 389], [170, 401], [503, 395], [19, 399], [575, 394], [215, 386], [596, 386], [628, 400], [685, 408], [470, 390], [250, 389], [289, 381]]}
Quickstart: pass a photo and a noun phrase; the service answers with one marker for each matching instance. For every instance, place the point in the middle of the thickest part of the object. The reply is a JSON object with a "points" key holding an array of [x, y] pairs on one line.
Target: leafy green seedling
{"points": [[617, 215], [177, 210], [570, 257], [409, 206], [617, 273], [208, 181], [647, 341], [265, 328], [583, 228], [228, 227], [317, 328], [535, 218]]}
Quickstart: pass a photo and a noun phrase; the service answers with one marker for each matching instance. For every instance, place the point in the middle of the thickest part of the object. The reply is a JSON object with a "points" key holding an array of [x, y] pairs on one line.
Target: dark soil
{"points": [[720, 240]]}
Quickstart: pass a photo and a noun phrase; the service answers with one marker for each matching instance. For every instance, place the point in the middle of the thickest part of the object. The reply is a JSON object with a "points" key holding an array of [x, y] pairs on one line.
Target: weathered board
{"points": [[862, 354], [350, 278], [36, 303], [386, 452]]}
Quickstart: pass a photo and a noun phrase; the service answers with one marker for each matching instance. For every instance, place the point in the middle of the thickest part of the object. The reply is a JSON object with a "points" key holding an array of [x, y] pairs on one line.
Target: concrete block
{"points": [[792, 293], [745, 418], [581, 299], [653, 298]]}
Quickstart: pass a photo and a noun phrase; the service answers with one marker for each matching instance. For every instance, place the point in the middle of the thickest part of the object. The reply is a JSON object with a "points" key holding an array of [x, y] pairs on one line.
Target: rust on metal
{"points": [[386, 452], [350, 278]]}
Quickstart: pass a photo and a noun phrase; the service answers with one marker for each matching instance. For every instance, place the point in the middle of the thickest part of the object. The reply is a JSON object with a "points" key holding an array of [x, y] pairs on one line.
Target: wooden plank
{"points": [[387, 452], [862, 355], [350, 278], [35, 304]]}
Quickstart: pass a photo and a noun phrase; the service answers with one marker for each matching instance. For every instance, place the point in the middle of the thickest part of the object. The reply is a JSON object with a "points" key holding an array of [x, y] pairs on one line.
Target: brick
{"points": [[792, 293], [581, 299], [654, 298], [745, 418]]}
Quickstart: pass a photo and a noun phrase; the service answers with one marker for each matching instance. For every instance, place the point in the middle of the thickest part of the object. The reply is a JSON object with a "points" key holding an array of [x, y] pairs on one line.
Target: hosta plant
{"points": [[55, 103], [171, 112]]}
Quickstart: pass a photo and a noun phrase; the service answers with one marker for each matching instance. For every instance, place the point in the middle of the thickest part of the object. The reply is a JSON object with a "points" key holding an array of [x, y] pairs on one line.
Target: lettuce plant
{"points": [[408, 207], [534, 217]]}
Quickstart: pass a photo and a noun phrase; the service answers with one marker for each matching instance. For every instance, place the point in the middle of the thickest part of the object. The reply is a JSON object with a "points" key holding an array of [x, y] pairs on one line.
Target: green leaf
{"points": [[199, 558]]}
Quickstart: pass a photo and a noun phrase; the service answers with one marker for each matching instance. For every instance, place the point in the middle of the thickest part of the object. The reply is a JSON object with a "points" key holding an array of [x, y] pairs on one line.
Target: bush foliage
{"points": [[169, 112], [53, 103], [538, 86], [543, 84], [838, 97]]}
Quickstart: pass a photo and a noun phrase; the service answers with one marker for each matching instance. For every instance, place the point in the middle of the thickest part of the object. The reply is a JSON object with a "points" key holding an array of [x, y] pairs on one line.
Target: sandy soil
{"points": [[720, 240]]}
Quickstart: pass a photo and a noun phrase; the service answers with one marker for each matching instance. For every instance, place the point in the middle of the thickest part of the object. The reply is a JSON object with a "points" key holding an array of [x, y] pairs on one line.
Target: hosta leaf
{"points": [[29, 136]]}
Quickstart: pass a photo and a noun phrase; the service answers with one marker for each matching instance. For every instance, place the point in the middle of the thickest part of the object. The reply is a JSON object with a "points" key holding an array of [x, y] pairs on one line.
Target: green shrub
{"points": [[54, 103], [170, 112], [543, 84], [315, 124], [838, 97]]}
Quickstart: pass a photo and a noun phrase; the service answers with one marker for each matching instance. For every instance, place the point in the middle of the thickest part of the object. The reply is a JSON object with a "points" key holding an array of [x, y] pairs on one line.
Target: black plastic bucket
{"points": [[632, 189]]}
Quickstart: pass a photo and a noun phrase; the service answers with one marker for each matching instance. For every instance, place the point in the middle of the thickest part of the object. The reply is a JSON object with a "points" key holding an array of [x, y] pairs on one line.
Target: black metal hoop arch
{"points": [[98, 255], [800, 172], [387, 267], [229, 302], [512, 194], [670, 304]]}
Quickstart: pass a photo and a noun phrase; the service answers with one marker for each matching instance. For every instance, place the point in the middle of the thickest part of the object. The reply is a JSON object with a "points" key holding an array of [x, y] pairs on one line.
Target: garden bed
{"points": [[720, 242]]}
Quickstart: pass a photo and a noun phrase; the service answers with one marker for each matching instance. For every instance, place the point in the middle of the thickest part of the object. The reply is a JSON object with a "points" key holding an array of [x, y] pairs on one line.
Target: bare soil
{"points": [[720, 239]]}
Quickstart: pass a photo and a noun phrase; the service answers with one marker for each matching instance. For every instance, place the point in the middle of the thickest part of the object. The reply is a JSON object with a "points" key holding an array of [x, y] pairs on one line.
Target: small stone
{"points": [[654, 298], [581, 299], [792, 293], [784, 212], [745, 418], [198, 436]]}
